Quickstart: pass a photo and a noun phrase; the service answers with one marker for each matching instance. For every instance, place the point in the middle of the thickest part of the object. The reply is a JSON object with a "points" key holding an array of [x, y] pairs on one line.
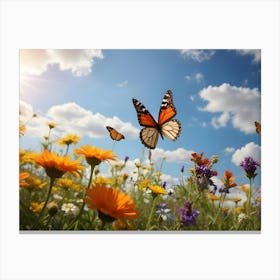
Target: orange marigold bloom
{"points": [[95, 155], [22, 177], [228, 180], [56, 165], [110, 203]]}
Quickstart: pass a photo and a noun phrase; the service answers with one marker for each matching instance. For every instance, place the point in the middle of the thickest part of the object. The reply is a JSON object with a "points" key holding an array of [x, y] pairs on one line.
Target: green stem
{"points": [[148, 225], [67, 149], [46, 201], [48, 197], [88, 186], [249, 197]]}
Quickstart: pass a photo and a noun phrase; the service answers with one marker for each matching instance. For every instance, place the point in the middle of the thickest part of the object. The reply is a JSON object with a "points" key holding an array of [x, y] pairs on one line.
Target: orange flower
{"points": [[56, 165], [199, 160], [110, 203], [228, 180], [22, 177], [95, 155]]}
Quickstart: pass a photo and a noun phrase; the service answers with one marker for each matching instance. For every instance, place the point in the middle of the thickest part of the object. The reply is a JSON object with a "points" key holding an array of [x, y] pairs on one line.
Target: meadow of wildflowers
{"points": [[61, 188]]}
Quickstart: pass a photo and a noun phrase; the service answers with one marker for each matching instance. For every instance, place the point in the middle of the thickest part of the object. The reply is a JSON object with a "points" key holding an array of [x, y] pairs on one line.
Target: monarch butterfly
{"points": [[165, 125], [115, 135], [258, 127]]}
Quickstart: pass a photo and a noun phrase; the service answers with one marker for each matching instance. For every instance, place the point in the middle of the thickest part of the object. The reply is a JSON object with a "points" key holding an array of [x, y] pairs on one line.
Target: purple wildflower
{"points": [[187, 215], [182, 169], [204, 173], [126, 159], [249, 165], [164, 185]]}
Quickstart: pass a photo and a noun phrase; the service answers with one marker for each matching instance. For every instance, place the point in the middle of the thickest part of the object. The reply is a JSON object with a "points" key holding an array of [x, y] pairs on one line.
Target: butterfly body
{"points": [[165, 126], [114, 134], [258, 127]]}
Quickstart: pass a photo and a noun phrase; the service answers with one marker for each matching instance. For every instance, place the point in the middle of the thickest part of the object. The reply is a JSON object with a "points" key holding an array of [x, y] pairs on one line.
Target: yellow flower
{"points": [[144, 184], [95, 155], [258, 199], [22, 129], [102, 181], [236, 199], [237, 210], [225, 210], [123, 225], [36, 207], [213, 197], [35, 183], [110, 203], [65, 182], [52, 125], [55, 165], [54, 190], [158, 174], [156, 189], [69, 139]]}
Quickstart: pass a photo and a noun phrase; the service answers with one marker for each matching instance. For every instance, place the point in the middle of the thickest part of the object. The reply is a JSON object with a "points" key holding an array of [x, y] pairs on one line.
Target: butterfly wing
{"points": [[149, 137], [149, 134], [167, 110], [258, 127], [114, 134], [171, 129], [144, 116]]}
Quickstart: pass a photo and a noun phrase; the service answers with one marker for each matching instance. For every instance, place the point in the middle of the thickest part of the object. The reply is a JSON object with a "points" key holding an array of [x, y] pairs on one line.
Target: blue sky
{"points": [[217, 94]]}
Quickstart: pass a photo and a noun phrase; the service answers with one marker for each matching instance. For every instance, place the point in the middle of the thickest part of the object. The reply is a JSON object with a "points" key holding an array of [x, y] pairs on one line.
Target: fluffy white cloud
{"points": [[241, 105], [221, 121], [251, 149], [36, 126], [197, 55], [178, 155], [79, 62], [72, 118], [122, 84], [229, 150], [255, 53], [198, 77]]}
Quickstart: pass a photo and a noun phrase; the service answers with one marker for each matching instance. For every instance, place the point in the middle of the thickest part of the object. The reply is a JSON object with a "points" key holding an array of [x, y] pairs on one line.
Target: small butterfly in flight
{"points": [[164, 126], [258, 127], [114, 134]]}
